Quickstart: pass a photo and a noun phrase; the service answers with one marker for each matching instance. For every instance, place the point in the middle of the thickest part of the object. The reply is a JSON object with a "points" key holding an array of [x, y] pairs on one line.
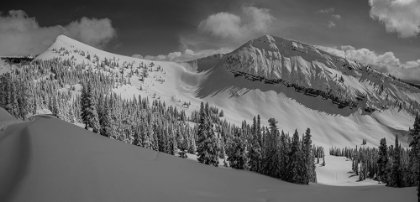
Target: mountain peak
{"points": [[63, 37], [65, 47], [267, 37], [68, 41]]}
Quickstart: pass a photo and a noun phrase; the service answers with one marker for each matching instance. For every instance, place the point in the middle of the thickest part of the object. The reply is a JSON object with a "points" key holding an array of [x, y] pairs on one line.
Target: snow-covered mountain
{"points": [[316, 72], [300, 85]]}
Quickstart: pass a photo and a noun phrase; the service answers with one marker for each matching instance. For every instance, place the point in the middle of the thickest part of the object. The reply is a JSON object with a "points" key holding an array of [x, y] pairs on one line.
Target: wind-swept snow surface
{"points": [[51, 160]]}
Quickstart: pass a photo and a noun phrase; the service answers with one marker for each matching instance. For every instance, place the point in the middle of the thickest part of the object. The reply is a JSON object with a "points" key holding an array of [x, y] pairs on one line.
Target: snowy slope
{"points": [[213, 79], [51, 160]]}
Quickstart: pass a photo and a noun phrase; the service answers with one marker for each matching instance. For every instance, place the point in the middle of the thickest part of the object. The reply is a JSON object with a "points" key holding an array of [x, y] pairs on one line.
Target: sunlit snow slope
{"points": [[258, 78], [50, 160]]}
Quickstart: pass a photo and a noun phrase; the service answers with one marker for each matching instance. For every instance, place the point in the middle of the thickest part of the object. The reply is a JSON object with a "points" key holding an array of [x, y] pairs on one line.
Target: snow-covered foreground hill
{"points": [[51, 160], [229, 82]]}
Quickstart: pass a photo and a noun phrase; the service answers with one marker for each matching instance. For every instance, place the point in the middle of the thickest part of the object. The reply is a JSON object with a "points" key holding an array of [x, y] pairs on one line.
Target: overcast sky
{"points": [[380, 32]]}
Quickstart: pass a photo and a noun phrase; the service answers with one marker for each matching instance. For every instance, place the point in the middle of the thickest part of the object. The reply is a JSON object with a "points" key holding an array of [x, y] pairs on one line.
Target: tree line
{"points": [[54, 84]]}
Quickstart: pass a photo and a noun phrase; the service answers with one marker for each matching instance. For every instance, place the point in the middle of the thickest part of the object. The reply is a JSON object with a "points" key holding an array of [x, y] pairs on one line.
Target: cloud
{"points": [[331, 24], [96, 32], [332, 50], [252, 22], [336, 17], [411, 73], [386, 62], [222, 32], [325, 11], [22, 35], [400, 16], [222, 24], [188, 55], [137, 56]]}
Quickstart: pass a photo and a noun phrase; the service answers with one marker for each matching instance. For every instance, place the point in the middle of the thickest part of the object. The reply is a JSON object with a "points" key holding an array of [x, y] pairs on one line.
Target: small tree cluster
{"points": [[392, 165]]}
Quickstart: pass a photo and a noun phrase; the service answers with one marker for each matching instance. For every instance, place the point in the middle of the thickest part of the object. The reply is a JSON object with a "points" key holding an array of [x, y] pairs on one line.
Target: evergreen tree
{"points": [[106, 122], [89, 113], [13, 106], [258, 128], [255, 157], [23, 99], [309, 159], [415, 154], [34, 106], [237, 157], [306, 150], [55, 111], [84, 105], [207, 142], [395, 175], [183, 146], [382, 161], [3, 90], [270, 162], [361, 166], [296, 170], [284, 155], [222, 114], [254, 153]]}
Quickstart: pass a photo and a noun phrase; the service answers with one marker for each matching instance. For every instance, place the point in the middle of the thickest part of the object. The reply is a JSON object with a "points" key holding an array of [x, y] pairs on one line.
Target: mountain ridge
{"points": [[309, 67], [298, 98]]}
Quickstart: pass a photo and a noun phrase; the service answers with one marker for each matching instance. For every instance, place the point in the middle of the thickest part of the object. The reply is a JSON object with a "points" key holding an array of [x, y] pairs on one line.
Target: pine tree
{"points": [[356, 161], [382, 161], [270, 162], [34, 106], [183, 146], [55, 111], [172, 144], [222, 114], [237, 157], [89, 113], [309, 161], [284, 155], [296, 170], [23, 99], [254, 156], [106, 122], [361, 167], [259, 136], [415, 154], [12, 104], [395, 175], [207, 142], [3, 90], [254, 153], [84, 106], [312, 168]]}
